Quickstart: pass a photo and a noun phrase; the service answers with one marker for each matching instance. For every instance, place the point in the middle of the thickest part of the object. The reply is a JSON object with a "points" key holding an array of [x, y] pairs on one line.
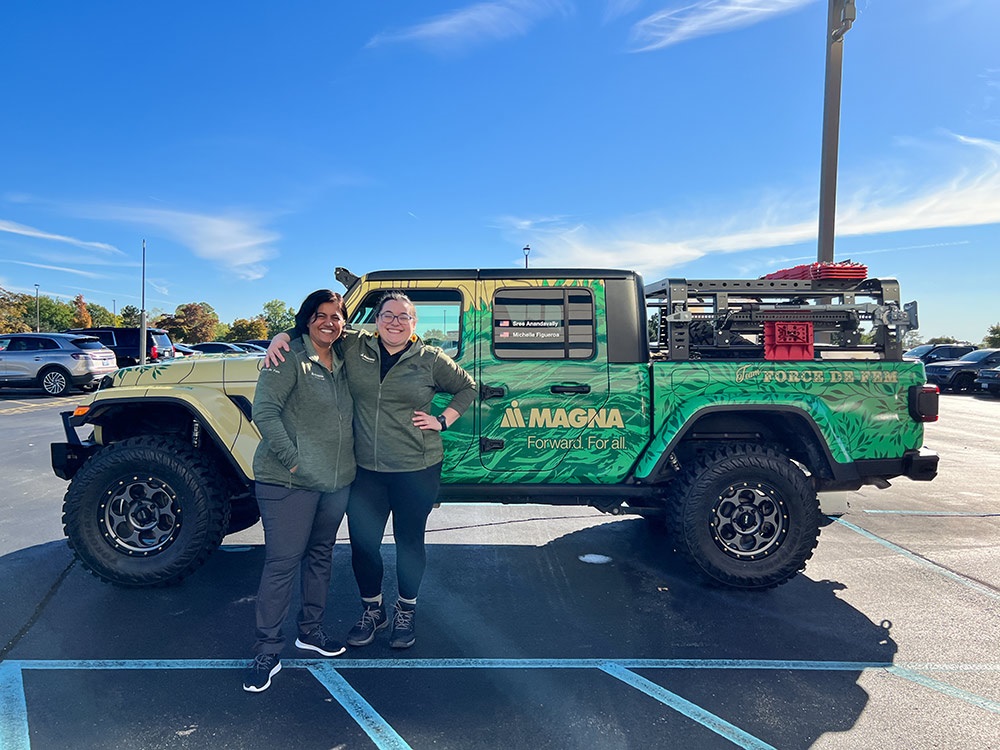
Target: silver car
{"points": [[54, 362]]}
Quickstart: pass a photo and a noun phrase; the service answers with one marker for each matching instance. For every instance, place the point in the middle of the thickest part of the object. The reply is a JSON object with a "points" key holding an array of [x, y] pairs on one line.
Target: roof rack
{"points": [[771, 318]]}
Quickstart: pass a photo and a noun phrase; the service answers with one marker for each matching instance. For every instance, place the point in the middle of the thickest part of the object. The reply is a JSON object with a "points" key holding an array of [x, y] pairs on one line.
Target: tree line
{"points": [[191, 323]]}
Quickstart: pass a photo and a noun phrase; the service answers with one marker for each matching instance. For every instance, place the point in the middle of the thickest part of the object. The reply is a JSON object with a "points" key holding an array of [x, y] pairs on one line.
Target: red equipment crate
{"points": [[786, 340]]}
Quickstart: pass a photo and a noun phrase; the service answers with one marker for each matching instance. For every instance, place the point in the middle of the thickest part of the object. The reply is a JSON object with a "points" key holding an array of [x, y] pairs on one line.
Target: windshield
{"points": [[919, 351], [978, 355]]}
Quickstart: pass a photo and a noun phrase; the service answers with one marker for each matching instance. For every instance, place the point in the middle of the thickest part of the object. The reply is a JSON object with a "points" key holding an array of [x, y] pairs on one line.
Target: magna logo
{"points": [[514, 417]]}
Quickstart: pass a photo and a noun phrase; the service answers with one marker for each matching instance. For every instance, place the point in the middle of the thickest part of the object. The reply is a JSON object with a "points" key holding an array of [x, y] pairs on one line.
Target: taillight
{"points": [[152, 352], [80, 355], [923, 402]]}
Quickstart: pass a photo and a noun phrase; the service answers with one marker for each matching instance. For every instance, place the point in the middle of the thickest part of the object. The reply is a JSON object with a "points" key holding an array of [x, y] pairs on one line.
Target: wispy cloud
{"points": [[63, 269], [25, 231], [236, 242], [679, 23], [475, 24], [653, 245]]}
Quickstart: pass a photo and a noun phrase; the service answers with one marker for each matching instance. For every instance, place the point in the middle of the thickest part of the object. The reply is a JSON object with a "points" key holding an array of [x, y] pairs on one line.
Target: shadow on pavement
{"points": [[479, 602]]}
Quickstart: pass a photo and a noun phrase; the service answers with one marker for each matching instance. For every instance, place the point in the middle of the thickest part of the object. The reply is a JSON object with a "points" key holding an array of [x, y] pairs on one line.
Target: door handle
{"points": [[491, 391], [570, 389]]}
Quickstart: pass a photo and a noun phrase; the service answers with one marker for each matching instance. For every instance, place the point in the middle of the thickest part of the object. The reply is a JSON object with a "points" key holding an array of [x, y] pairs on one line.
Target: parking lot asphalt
{"points": [[537, 627]]}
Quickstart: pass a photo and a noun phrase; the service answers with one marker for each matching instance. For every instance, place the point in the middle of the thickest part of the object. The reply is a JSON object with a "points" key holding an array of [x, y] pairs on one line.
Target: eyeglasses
{"points": [[388, 317]]}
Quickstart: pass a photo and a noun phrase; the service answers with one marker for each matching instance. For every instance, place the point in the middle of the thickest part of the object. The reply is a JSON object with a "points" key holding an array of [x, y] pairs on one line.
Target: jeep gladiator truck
{"points": [[720, 408]]}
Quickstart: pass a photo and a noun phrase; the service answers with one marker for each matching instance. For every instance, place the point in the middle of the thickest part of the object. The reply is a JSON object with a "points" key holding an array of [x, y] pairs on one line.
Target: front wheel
{"points": [[745, 516], [54, 381], [965, 382], [146, 511]]}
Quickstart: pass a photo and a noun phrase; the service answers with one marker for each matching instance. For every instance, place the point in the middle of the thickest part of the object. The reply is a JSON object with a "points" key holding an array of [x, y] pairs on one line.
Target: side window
{"points": [[544, 323], [4, 343], [47, 344], [439, 316]]}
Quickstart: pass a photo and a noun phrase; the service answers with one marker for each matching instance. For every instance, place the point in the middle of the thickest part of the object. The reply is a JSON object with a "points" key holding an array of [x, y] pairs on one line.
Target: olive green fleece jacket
{"points": [[385, 438], [304, 413]]}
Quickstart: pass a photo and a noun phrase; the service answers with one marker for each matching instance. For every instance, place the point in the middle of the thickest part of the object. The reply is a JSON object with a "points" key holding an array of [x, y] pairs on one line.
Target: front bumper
{"points": [[68, 457]]}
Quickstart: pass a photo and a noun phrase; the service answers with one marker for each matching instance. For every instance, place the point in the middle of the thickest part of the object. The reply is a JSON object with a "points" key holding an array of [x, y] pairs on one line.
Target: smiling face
{"points": [[326, 325], [397, 320]]}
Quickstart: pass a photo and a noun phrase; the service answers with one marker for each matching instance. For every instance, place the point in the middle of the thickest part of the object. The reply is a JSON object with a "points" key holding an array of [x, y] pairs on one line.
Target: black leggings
{"points": [[409, 497]]}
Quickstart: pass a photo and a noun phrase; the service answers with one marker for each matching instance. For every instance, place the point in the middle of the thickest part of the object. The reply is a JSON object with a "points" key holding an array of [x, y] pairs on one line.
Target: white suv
{"points": [[53, 361]]}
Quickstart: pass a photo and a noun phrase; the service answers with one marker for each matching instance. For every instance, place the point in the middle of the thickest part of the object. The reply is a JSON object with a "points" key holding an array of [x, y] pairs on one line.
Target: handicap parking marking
{"points": [[14, 733]]}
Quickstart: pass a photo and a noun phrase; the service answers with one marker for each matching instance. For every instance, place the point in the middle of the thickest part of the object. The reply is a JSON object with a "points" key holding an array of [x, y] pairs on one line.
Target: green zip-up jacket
{"points": [[385, 436], [304, 413]]}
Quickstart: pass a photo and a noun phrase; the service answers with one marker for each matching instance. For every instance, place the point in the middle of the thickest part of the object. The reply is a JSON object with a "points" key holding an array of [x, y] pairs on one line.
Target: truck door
{"points": [[543, 376]]}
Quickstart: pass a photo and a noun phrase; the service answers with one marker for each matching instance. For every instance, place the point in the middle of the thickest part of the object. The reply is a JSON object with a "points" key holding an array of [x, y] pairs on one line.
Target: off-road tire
{"points": [[755, 490], [146, 511], [54, 381]]}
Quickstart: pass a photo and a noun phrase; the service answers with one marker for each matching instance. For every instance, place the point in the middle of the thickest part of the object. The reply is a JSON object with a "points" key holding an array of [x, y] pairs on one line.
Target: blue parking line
{"points": [[14, 713], [967, 582], [634, 663], [948, 513], [685, 707], [377, 728], [13, 709], [950, 690]]}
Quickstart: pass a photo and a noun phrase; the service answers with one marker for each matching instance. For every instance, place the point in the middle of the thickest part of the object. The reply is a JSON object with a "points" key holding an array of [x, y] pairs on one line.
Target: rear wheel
{"points": [[54, 381], [146, 511], [745, 516]]}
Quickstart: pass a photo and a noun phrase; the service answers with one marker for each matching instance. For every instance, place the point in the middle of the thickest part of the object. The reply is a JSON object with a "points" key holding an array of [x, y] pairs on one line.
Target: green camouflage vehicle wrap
{"points": [[573, 409]]}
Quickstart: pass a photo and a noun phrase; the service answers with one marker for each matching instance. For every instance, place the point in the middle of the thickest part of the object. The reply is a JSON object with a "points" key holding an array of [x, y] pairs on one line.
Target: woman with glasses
{"points": [[303, 468], [393, 377]]}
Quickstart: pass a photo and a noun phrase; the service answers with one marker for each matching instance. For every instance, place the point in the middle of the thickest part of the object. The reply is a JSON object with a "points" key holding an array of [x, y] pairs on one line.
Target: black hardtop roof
{"points": [[499, 273]]}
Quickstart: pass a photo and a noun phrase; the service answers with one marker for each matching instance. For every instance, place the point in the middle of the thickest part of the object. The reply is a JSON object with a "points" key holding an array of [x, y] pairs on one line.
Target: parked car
{"points": [[54, 362], [989, 380], [124, 342], [960, 374], [218, 347], [928, 353], [183, 350], [262, 343], [250, 347]]}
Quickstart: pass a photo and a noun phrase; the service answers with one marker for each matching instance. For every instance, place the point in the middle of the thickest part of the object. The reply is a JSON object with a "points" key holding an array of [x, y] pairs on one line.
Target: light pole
{"points": [[142, 312], [842, 15], [527, 249], [38, 319]]}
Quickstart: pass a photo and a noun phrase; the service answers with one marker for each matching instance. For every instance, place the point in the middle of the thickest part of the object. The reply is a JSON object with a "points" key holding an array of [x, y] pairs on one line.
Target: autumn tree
{"points": [[192, 322], [81, 315], [242, 329], [13, 311], [278, 316]]}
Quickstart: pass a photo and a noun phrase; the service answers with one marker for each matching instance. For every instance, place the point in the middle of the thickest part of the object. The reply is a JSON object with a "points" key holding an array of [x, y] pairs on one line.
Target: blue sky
{"points": [[256, 145]]}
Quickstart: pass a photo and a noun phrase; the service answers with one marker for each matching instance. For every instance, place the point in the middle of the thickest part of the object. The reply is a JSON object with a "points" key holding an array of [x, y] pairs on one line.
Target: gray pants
{"points": [[300, 529]]}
